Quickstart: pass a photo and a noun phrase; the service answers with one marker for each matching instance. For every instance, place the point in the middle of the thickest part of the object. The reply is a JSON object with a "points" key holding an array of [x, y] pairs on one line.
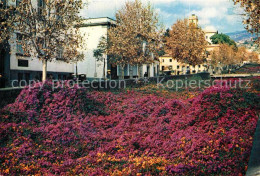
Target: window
{"points": [[170, 60], [206, 37], [188, 67], [20, 45], [23, 63], [162, 67], [41, 6], [20, 77], [199, 66], [27, 77], [60, 77], [59, 53], [178, 66], [163, 60]]}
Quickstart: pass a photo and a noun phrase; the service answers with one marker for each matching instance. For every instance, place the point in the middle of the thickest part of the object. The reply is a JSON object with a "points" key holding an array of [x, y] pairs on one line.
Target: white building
{"points": [[93, 30], [15, 65], [208, 34]]}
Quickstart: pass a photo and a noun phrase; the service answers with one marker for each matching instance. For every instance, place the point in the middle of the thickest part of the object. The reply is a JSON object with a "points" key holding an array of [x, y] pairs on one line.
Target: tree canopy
{"points": [[46, 29], [135, 38], [187, 43], [252, 17], [222, 39]]}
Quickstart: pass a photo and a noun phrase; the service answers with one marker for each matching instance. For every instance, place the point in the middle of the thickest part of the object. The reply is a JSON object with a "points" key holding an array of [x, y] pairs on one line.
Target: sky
{"points": [[220, 15]]}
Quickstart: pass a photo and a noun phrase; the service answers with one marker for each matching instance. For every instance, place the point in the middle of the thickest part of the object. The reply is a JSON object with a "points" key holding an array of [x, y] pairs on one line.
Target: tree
{"points": [[241, 54], [4, 26], [187, 43], [224, 57], [222, 38], [252, 11], [136, 36], [46, 29], [253, 57], [100, 52]]}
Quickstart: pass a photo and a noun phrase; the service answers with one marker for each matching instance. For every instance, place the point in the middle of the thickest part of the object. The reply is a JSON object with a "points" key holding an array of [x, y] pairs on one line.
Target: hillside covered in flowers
{"points": [[131, 132]]}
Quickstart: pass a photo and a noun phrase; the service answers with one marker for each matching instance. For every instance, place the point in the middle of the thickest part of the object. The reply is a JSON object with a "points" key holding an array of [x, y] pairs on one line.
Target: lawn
{"points": [[138, 131]]}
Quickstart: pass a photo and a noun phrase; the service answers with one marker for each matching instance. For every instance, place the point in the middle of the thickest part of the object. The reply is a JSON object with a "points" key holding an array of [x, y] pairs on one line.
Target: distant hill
{"points": [[241, 36]]}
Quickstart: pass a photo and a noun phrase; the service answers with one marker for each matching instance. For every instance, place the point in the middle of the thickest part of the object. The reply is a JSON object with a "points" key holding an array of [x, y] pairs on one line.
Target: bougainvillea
{"points": [[74, 131], [249, 69]]}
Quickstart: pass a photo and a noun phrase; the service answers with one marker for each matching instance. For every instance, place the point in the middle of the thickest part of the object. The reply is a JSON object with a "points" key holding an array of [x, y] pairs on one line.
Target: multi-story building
{"points": [[173, 67], [16, 65], [93, 30]]}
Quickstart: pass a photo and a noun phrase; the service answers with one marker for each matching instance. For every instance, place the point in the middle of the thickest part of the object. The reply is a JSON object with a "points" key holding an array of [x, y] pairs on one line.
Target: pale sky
{"points": [[221, 15]]}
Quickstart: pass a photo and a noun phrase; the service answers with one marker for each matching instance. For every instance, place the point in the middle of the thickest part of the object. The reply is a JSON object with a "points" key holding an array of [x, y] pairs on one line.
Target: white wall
{"points": [[208, 35], [144, 70], [92, 36], [34, 63]]}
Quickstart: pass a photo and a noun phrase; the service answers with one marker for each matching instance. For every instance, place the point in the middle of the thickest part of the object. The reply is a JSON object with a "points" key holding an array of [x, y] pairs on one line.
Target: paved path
{"points": [[11, 88], [254, 162], [235, 75]]}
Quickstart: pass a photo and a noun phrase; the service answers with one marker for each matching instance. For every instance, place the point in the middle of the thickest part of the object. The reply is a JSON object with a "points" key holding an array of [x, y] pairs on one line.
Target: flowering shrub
{"points": [[73, 131], [247, 69]]}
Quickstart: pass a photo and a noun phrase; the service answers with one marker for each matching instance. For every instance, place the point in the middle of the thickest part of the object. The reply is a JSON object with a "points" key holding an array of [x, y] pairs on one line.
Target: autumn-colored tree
{"points": [[253, 57], [252, 11], [135, 38], [214, 59], [241, 54], [46, 29], [187, 43], [224, 57]]}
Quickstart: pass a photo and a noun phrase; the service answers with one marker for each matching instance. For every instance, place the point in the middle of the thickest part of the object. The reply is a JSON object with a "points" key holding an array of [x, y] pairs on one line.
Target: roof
{"points": [[100, 18], [102, 21], [206, 31], [166, 55]]}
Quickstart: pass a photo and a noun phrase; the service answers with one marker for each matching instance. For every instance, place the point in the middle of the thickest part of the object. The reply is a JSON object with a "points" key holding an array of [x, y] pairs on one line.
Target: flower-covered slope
{"points": [[73, 131]]}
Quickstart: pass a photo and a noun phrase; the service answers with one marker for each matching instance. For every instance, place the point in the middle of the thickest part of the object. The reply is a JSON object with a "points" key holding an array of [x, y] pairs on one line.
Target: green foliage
{"points": [[101, 49], [222, 38], [161, 51], [167, 33]]}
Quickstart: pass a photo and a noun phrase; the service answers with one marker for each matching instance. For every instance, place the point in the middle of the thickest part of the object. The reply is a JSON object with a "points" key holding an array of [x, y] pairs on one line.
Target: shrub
{"points": [[73, 131]]}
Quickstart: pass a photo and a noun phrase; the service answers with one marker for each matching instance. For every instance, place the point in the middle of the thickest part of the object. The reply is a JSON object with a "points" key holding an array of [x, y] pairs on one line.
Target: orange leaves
{"points": [[51, 22], [186, 43], [252, 11], [135, 24]]}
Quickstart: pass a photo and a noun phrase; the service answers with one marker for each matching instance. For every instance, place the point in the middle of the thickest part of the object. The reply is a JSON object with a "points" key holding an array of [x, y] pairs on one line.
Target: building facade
{"points": [[93, 30], [16, 66], [171, 66]]}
